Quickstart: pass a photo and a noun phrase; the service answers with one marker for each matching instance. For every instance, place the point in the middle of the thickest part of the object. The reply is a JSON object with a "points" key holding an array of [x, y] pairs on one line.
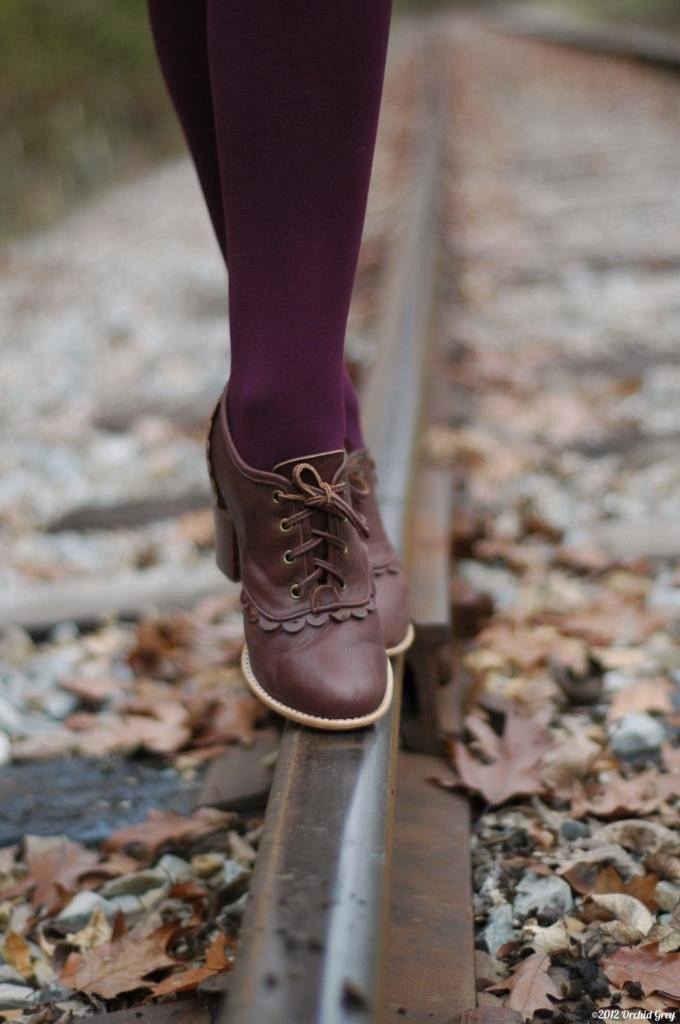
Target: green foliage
{"points": [[81, 103]]}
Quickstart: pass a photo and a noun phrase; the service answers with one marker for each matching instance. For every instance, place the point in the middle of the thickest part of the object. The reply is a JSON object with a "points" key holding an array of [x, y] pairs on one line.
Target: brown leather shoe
{"points": [[315, 650], [390, 579]]}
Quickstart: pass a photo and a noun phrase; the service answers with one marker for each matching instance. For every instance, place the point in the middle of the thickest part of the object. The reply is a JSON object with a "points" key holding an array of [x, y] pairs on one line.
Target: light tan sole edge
{"points": [[330, 724], [404, 644]]}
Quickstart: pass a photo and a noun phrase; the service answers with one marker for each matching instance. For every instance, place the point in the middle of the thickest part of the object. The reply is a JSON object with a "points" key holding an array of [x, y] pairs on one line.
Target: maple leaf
{"points": [[530, 986], [515, 757], [122, 965], [654, 971]]}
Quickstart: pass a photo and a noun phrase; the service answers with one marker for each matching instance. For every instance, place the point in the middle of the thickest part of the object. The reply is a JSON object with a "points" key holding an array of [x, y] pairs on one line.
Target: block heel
{"points": [[226, 544]]}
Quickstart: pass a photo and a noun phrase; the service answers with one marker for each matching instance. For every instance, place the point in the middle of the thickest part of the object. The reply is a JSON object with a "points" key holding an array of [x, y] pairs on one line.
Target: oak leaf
{"points": [[163, 827], [530, 986], [653, 971], [515, 757], [120, 966]]}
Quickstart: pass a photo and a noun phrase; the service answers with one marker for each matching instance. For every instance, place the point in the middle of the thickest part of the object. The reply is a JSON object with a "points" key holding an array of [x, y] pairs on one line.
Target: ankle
{"points": [[269, 427]]}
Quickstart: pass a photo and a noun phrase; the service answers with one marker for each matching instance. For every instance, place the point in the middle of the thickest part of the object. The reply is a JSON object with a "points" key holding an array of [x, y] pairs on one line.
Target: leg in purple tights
{"points": [[294, 90]]}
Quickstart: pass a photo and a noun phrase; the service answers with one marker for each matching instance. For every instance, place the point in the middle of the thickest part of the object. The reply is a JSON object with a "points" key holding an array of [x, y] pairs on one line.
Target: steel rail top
{"points": [[311, 948]]}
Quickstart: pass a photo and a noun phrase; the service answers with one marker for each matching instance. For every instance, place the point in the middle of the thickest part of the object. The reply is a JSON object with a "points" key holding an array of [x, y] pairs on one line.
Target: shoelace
{"points": [[318, 495], [358, 484]]}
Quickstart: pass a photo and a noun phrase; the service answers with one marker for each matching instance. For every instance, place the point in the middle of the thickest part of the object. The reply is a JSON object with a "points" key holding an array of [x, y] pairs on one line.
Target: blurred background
{"points": [[82, 104]]}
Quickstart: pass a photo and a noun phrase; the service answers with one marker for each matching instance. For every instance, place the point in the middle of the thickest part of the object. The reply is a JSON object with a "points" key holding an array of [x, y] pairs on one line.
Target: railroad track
{"points": [[359, 908]]}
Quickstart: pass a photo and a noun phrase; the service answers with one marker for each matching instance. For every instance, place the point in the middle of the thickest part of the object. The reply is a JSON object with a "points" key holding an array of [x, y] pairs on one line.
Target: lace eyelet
{"points": [[288, 558], [345, 549], [285, 525], [295, 591], [342, 585], [276, 497]]}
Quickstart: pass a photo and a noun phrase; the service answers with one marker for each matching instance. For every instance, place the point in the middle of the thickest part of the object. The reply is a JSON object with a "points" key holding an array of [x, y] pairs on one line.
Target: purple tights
{"points": [[279, 102]]}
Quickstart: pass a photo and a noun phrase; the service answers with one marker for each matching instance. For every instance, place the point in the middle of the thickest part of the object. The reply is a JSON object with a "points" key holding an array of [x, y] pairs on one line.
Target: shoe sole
{"points": [[302, 718], [404, 644]]}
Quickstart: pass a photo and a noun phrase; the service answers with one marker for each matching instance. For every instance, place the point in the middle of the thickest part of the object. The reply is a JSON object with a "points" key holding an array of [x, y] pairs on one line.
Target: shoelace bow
{"points": [[314, 496]]}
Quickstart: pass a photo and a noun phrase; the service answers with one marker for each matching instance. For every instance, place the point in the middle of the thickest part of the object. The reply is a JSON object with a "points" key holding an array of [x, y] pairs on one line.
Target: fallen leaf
{"points": [[54, 865], [553, 939], [627, 910], [96, 932], [646, 837], [121, 966], [17, 953], [528, 647], [664, 864], [233, 720], [644, 695], [611, 621], [643, 964], [583, 871], [585, 558], [608, 880], [515, 757], [530, 986], [216, 962], [92, 692], [618, 797], [163, 827]]}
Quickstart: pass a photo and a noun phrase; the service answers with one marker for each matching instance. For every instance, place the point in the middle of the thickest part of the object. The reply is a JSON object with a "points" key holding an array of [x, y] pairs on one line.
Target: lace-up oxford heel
{"points": [[315, 649]]}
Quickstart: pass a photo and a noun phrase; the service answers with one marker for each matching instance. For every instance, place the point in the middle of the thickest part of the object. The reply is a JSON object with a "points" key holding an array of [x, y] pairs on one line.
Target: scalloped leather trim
{"points": [[269, 625]]}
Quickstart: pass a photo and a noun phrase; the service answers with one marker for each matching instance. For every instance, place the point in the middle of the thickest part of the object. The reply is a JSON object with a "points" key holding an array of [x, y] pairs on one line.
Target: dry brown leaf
{"points": [[627, 910], [216, 962], [645, 695], [96, 932], [232, 721], [17, 953], [528, 647], [618, 797], [530, 986], [515, 757], [653, 1003], [666, 865], [608, 880], [611, 621], [646, 837], [93, 692], [585, 558], [653, 971], [54, 868], [162, 827], [571, 758], [120, 966]]}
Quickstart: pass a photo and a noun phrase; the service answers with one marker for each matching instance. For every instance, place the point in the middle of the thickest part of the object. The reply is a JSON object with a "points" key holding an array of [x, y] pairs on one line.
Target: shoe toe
{"points": [[336, 673]]}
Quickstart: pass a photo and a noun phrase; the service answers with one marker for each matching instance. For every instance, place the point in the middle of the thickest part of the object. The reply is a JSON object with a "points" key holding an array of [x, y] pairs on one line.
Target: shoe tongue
{"points": [[325, 463]]}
